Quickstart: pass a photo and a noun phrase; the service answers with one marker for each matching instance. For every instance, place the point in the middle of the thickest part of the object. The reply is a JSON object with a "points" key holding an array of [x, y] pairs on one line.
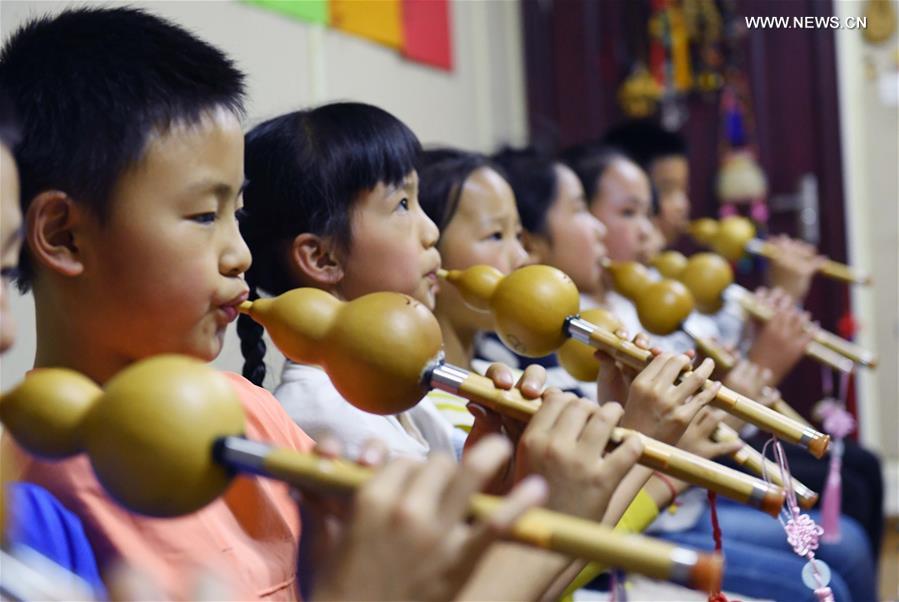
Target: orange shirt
{"points": [[249, 536]]}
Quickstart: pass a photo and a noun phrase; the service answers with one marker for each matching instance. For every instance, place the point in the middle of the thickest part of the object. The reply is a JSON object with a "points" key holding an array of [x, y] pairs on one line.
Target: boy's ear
{"points": [[51, 222], [536, 245], [314, 260]]}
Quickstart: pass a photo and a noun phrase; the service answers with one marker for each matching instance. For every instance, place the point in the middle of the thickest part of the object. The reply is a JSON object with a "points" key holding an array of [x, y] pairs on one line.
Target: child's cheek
{"points": [[7, 328]]}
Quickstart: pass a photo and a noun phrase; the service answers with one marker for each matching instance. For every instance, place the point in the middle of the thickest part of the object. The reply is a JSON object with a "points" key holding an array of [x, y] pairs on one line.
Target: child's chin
{"points": [[427, 297], [208, 350]]}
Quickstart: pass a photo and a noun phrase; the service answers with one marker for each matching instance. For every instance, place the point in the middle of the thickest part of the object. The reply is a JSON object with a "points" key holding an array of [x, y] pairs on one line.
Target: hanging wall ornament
{"points": [[681, 67], [704, 29], [639, 94], [669, 60], [658, 28], [741, 181]]}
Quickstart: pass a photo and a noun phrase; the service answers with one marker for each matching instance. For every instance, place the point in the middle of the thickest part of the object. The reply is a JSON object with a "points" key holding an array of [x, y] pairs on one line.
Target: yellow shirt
{"points": [[638, 516]]}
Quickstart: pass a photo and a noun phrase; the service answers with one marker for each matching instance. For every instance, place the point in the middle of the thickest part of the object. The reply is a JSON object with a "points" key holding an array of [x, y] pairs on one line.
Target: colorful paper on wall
{"points": [[312, 11], [427, 31], [377, 20]]}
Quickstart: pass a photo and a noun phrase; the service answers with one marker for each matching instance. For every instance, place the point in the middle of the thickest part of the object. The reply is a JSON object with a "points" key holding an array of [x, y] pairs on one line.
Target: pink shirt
{"points": [[249, 536]]}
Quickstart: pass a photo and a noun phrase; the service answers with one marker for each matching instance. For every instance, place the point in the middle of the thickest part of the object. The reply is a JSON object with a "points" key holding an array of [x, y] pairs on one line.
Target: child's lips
{"points": [[433, 280], [229, 311]]}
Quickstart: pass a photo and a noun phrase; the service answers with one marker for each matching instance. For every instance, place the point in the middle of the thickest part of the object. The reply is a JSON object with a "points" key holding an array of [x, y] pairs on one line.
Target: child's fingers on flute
{"points": [[594, 438], [697, 402], [532, 381], [668, 375], [691, 383]]}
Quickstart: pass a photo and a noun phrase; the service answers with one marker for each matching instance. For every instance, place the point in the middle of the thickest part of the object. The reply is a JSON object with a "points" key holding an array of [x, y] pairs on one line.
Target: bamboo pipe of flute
{"points": [[727, 399], [538, 527], [753, 460], [536, 308], [735, 235], [823, 340], [782, 407], [833, 269], [656, 455], [710, 278]]}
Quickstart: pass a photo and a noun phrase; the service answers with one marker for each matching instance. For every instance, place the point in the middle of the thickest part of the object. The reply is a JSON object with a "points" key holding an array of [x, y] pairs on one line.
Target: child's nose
{"points": [[236, 258], [430, 234], [520, 257]]}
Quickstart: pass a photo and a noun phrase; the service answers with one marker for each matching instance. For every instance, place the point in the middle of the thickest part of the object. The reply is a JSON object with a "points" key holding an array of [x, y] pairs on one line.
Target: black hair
{"points": [[442, 175], [9, 127], [304, 171], [644, 141], [534, 180], [437, 154], [91, 85], [590, 161]]}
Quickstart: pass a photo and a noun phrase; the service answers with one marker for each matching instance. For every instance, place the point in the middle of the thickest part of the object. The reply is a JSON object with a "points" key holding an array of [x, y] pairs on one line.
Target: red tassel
{"points": [[716, 535]]}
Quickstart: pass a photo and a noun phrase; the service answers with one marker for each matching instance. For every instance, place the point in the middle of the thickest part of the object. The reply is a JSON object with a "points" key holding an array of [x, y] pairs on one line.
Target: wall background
{"points": [[870, 145]]}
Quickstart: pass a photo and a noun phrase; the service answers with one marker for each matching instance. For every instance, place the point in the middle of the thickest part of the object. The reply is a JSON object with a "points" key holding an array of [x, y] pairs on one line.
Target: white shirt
{"points": [[311, 399]]}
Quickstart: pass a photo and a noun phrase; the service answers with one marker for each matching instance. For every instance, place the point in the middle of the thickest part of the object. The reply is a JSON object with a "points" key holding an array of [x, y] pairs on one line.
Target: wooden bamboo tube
{"points": [[733, 236], [787, 410], [751, 459], [580, 361], [824, 344], [165, 439], [656, 455], [387, 340], [538, 527], [535, 310], [709, 278]]}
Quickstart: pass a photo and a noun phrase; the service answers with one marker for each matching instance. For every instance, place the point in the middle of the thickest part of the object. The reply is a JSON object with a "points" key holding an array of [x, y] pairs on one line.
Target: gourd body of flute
{"points": [[530, 305], [378, 363], [149, 440], [579, 359], [662, 305]]}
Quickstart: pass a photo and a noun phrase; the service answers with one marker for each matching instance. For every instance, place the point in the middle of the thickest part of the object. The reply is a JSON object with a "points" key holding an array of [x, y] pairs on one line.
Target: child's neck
{"points": [[62, 344], [458, 344]]}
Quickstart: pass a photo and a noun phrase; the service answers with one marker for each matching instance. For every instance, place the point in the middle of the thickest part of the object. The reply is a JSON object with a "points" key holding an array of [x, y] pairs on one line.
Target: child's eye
{"points": [[203, 218], [403, 204], [240, 214], [498, 235], [9, 273]]}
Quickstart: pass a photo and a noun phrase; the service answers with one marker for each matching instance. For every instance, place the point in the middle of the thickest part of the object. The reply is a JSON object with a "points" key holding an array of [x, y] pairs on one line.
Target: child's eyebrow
{"points": [[220, 190]]}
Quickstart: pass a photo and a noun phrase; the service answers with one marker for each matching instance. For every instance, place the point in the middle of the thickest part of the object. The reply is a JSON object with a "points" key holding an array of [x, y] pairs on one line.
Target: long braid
{"points": [[252, 345]]}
